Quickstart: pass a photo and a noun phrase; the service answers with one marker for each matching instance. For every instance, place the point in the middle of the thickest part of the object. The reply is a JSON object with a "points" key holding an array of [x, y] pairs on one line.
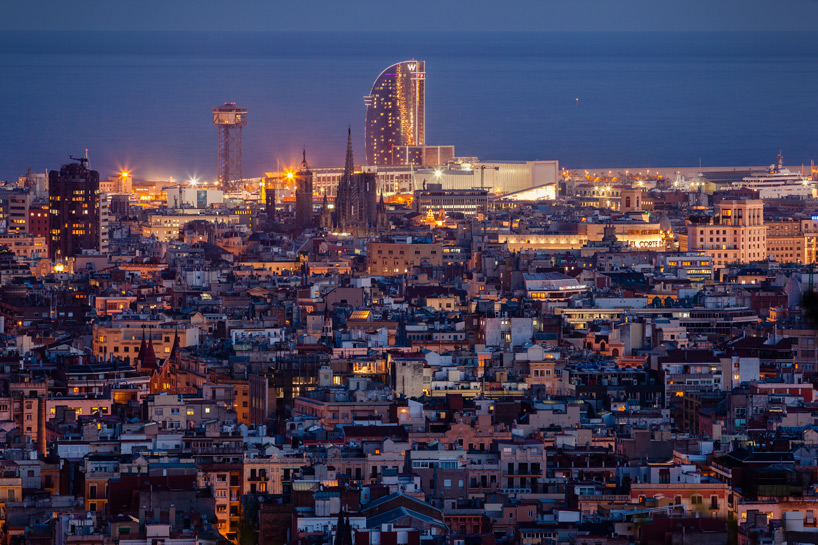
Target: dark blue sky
{"points": [[435, 15]]}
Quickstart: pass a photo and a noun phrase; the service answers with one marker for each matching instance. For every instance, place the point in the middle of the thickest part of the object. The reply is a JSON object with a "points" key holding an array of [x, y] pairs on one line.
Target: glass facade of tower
{"points": [[396, 111]]}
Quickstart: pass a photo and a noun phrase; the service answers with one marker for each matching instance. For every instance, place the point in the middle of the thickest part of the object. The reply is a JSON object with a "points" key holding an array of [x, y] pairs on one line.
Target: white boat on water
{"points": [[778, 183]]}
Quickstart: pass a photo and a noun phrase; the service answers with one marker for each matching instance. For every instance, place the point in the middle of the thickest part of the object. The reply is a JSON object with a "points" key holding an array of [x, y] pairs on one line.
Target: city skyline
{"points": [[565, 296], [626, 84]]}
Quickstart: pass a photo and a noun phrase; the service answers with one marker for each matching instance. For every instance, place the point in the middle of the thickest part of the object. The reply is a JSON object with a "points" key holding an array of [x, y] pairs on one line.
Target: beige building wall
{"points": [[388, 258], [793, 241], [737, 235], [123, 340], [23, 245]]}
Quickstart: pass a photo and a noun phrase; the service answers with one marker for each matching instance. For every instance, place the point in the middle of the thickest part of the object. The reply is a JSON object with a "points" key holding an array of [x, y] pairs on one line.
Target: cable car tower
{"points": [[229, 120]]}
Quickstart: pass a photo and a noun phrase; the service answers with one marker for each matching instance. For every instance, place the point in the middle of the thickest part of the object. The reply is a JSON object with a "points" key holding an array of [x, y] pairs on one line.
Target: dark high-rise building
{"points": [[356, 198], [270, 198], [396, 111], [303, 196], [74, 210]]}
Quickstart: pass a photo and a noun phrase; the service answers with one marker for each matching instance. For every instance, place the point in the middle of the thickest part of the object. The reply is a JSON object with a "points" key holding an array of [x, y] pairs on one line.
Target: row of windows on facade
{"points": [[417, 252]]}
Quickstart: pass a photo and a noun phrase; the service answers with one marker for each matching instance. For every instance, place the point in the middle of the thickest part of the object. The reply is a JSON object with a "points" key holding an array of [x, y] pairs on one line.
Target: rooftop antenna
{"points": [[81, 160]]}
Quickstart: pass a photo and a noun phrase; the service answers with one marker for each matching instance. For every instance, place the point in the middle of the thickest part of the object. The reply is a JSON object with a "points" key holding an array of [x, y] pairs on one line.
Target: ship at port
{"points": [[778, 182]]}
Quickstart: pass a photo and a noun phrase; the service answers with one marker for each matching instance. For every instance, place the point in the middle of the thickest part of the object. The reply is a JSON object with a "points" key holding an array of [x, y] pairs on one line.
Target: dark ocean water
{"points": [[142, 100]]}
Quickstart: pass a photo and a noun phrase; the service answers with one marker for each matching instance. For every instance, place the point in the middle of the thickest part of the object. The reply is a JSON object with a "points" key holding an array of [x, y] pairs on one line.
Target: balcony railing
{"points": [[513, 491]]}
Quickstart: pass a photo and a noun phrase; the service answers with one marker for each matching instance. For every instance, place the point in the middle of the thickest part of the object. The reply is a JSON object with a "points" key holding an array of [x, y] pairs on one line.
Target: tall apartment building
{"points": [[225, 482], [18, 212], [793, 241], [74, 211], [736, 234]]}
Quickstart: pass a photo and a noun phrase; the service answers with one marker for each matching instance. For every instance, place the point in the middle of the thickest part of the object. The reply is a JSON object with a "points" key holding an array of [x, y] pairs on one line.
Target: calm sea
{"points": [[142, 100]]}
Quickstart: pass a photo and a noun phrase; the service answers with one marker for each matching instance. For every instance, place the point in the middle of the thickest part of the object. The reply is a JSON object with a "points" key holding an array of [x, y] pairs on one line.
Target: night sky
{"points": [[429, 15]]}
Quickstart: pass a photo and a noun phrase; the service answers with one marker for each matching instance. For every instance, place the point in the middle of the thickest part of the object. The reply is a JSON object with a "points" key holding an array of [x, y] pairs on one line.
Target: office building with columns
{"points": [[736, 233]]}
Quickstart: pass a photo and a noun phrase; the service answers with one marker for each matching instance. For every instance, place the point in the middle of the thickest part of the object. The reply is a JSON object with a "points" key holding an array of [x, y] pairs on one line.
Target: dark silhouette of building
{"points": [[270, 198], [381, 220], [356, 198], [326, 216], [343, 530], [74, 219], [120, 205], [303, 196], [396, 111]]}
